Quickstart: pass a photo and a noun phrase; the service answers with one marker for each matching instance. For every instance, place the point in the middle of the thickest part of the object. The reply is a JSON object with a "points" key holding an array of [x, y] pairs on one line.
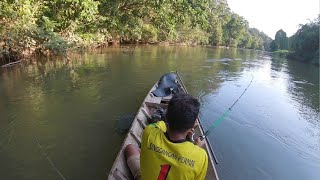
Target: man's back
{"points": [[163, 159]]}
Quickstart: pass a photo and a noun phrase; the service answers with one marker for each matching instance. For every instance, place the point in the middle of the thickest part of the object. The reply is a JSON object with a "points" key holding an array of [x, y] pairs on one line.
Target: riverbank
{"points": [[281, 53], [291, 55], [314, 60], [12, 57]]}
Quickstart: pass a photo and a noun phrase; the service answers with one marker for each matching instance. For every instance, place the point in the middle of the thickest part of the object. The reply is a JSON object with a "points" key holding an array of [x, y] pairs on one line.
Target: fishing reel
{"points": [[192, 138]]}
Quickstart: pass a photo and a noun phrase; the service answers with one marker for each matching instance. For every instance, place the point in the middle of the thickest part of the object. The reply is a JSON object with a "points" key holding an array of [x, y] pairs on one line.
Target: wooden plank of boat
{"points": [[120, 170]]}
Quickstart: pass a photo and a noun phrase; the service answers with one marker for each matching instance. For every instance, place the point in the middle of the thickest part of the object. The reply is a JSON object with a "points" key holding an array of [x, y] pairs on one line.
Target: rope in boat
{"points": [[47, 157], [226, 112]]}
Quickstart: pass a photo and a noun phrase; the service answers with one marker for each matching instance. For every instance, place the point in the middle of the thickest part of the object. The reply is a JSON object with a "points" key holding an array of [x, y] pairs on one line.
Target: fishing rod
{"points": [[224, 114]]}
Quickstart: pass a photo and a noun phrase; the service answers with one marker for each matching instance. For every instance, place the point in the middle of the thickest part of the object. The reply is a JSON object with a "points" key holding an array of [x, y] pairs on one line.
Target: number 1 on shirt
{"points": [[164, 171]]}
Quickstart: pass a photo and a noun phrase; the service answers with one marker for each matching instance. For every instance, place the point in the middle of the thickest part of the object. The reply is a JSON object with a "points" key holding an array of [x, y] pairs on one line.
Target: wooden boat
{"points": [[120, 170]]}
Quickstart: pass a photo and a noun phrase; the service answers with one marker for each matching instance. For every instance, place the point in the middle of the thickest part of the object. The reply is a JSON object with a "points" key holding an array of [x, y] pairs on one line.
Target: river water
{"points": [[70, 115]]}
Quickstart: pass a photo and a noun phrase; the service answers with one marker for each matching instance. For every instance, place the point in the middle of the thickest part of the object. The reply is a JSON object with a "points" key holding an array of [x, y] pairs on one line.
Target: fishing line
{"points": [[215, 124], [200, 95], [47, 157]]}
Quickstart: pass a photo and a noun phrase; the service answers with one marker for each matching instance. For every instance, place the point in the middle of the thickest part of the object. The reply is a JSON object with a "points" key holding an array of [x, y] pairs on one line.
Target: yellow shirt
{"points": [[163, 159]]}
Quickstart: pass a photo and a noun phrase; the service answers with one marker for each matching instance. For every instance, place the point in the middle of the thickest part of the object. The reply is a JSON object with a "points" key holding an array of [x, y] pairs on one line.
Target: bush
{"points": [[281, 53], [48, 42], [149, 33]]}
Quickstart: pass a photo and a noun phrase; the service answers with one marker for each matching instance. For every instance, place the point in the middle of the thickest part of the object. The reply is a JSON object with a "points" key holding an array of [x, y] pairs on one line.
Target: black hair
{"points": [[183, 109]]}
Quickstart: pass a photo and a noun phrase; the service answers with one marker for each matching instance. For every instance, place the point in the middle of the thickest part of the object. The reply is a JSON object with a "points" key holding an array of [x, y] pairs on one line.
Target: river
{"points": [[72, 113]]}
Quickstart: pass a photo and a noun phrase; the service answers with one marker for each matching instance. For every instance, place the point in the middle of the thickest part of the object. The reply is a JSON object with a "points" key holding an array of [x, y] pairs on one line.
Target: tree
{"points": [[305, 42], [246, 41], [273, 46], [281, 40], [234, 30]]}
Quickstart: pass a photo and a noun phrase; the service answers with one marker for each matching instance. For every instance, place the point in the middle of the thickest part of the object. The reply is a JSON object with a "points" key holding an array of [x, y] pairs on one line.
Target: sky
{"points": [[270, 16]]}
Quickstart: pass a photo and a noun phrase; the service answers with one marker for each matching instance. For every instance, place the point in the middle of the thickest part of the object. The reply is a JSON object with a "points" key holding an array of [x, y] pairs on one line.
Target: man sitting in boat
{"points": [[165, 152]]}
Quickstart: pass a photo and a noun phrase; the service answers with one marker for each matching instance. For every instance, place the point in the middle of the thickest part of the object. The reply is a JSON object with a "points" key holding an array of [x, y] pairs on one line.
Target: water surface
{"points": [[73, 111]]}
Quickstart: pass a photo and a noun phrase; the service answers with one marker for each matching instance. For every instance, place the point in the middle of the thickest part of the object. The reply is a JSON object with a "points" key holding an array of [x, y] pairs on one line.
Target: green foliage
{"points": [[246, 40], [49, 42], [274, 46], [17, 19], [234, 30], [305, 42], [216, 34], [261, 40], [281, 53], [302, 46], [54, 26], [149, 33], [76, 15], [192, 35], [281, 41]]}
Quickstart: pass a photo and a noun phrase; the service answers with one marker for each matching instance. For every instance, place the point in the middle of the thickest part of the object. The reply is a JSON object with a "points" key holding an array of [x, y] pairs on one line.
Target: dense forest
{"points": [[54, 26], [302, 46]]}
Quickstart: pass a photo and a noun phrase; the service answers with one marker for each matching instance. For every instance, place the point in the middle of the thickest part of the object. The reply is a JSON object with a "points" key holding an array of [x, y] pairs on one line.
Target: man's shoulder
{"points": [[159, 125]]}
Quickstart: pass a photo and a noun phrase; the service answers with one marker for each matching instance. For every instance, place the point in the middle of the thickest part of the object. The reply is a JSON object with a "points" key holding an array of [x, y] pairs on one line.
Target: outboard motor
{"points": [[167, 85]]}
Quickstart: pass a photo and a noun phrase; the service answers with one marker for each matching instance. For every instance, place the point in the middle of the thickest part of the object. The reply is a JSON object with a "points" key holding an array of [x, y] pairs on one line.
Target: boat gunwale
{"points": [[207, 143], [128, 133]]}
